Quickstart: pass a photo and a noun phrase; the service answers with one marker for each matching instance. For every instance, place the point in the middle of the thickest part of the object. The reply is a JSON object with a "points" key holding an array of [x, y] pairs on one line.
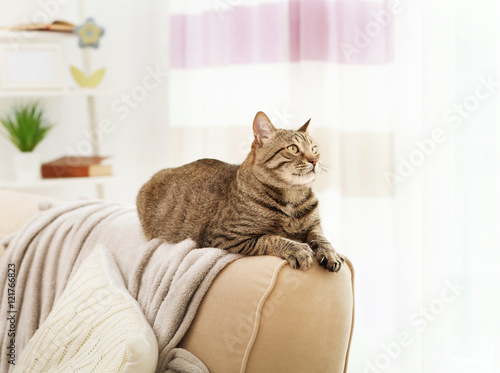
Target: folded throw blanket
{"points": [[168, 281]]}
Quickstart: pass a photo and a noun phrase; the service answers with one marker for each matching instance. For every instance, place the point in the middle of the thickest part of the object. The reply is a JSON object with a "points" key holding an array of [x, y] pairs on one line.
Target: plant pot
{"points": [[27, 166]]}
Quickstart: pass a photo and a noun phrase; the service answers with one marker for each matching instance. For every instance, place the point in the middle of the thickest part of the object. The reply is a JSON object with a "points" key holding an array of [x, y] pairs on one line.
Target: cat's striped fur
{"points": [[263, 206]]}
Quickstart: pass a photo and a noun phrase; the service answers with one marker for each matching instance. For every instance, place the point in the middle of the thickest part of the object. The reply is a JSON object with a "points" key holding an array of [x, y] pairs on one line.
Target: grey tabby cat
{"points": [[264, 206]]}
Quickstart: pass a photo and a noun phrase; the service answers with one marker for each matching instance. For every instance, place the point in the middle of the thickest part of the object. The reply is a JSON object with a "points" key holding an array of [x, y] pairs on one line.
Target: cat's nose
{"points": [[313, 161]]}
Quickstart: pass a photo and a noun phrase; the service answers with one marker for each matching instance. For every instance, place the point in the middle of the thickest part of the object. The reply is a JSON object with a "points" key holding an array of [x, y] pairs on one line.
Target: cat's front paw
{"points": [[300, 256], [329, 258]]}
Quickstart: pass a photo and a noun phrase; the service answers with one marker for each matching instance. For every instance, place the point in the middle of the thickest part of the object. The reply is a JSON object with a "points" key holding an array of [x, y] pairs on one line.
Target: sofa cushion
{"points": [[95, 326], [15, 209]]}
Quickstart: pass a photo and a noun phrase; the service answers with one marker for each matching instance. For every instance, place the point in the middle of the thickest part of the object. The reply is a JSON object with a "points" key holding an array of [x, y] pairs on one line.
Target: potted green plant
{"points": [[25, 127]]}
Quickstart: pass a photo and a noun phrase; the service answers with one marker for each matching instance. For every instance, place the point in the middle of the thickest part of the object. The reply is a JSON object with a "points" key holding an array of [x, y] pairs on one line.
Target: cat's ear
{"points": [[262, 128], [304, 127]]}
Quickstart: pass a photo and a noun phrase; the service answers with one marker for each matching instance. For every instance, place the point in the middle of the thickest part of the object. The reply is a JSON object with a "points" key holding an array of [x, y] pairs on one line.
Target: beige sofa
{"points": [[255, 317]]}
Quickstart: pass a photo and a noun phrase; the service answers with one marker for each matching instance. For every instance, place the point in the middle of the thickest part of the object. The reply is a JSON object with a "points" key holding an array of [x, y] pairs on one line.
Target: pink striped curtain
{"points": [[345, 32], [329, 60]]}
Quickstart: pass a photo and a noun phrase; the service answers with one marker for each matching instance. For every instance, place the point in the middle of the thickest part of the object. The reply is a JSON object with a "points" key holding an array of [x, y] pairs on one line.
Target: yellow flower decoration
{"points": [[89, 34], [84, 80]]}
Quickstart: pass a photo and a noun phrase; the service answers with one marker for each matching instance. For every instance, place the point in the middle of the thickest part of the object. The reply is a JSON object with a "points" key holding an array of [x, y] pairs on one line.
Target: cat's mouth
{"points": [[304, 173], [304, 177]]}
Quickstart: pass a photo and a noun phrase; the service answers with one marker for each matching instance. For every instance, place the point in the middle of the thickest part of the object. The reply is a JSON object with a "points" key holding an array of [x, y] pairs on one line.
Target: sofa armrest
{"points": [[15, 209], [260, 315]]}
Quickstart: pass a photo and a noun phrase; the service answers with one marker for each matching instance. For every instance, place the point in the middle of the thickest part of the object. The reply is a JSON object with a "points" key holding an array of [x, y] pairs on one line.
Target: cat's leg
{"points": [[298, 254], [325, 253]]}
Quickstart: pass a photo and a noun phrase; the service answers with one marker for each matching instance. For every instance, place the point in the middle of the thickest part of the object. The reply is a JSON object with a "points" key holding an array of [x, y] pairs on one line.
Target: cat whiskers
{"points": [[320, 169], [326, 167]]}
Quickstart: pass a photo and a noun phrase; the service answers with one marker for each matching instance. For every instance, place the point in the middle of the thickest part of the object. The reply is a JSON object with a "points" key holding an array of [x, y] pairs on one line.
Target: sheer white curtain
{"points": [[446, 201], [404, 104]]}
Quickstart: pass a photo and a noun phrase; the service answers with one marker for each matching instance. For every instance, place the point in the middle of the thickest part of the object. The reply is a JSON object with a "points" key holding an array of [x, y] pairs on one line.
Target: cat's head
{"points": [[287, 157]]}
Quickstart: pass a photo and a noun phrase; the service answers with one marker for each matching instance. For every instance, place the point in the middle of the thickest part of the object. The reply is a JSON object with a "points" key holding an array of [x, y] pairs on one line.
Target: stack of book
{"points": [[76, 167], [58, 26]]}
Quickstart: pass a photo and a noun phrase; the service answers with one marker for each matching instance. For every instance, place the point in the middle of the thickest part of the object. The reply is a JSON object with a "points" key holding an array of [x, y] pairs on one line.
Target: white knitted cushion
{"points": [[95, 326]]}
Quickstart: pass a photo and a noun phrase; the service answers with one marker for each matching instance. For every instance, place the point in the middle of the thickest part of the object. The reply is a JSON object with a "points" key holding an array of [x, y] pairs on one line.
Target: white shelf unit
{"points": [[55, 183], [89, 94], [14, 34], [84, 92]]}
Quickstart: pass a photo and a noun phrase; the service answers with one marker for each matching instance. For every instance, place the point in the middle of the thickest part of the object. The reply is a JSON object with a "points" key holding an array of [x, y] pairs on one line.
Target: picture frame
{"points": [[31, 67]]}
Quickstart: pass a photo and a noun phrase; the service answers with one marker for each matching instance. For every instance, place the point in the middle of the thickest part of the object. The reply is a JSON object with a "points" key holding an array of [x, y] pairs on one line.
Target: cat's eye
{"points": [[314, 149], [293, 149]]}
